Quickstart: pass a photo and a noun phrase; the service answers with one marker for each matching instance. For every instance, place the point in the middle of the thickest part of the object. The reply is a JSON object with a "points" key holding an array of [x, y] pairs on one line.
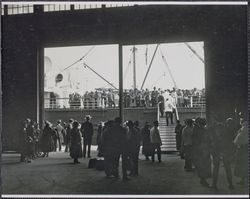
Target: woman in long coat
{"points": [[46, 142], [75, 143], [147, 148], [241, 164], [201, 155]]}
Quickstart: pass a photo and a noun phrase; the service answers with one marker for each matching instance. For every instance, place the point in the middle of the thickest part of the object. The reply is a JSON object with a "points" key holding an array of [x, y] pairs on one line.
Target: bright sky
{"points": [[187, 69]]}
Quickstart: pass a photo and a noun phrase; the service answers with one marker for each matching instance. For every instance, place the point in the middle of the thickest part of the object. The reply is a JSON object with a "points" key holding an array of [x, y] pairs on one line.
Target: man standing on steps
{"points": [[169, 108], [161, 103], [87, 133]]}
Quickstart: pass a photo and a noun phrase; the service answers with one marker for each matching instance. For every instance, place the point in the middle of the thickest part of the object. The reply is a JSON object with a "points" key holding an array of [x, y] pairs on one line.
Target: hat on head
{"points": [[156, 122], [130, 123], [75, 124], [88, 116], [47, 123]]}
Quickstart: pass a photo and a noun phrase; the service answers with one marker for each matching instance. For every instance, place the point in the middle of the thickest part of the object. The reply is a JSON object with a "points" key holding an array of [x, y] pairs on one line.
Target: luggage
{"points": [[100, 164], [92, 163]]}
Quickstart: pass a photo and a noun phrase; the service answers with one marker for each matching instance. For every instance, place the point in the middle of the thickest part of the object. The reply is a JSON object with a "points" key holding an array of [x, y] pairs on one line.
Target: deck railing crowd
{"points": [[108, 98]]}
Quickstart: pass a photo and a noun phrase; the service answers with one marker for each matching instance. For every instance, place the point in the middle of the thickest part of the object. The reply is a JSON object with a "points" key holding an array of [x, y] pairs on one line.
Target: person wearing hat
{"points": [[155, 140], [200, 151], [154, 97], [46, 142], [60, 130], [221, 149], [133, 147], [241, 163], [68, 133], [22, 141], [187, 144], [75, 143], [146, 145], [87, 133], [169, 109]]}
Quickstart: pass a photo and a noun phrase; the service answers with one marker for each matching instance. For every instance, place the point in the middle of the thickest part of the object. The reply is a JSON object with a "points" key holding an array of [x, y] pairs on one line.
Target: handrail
{"points": [[176, 112], [158, 111]]}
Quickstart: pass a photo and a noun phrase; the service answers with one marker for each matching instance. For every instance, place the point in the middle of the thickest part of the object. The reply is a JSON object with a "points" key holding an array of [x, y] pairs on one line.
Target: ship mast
{"points": [[134, 49]]}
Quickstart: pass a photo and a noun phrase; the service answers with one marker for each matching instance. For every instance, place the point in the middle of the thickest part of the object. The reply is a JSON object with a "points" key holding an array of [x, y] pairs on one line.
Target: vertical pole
{"points": [[40, 85], [121, 108], [5, 9], [134, 67]]}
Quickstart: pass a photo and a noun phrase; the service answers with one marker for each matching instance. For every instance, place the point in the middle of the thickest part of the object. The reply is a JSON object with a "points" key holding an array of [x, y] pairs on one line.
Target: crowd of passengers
{"points": [[133, 97], [202, 147]]}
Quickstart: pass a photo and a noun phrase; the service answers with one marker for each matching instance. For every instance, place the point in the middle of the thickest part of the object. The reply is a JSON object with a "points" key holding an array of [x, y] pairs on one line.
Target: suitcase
{"points": [[100, 164], [92, 163]]}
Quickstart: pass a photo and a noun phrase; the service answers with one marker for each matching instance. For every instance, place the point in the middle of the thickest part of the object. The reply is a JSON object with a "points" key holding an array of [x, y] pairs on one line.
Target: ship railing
{"points": [[68, 103], [192, 101]]}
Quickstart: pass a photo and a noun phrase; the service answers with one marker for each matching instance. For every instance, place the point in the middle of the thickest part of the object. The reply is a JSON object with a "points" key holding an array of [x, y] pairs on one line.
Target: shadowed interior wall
{"points": [[222, 28]]}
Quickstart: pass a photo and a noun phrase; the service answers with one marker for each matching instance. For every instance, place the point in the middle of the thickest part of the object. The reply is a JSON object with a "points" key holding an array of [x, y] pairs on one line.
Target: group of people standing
{"points": [[224, 141], [38, 143], [202, 146], [124, 140], [103, 98], [29, 141]]}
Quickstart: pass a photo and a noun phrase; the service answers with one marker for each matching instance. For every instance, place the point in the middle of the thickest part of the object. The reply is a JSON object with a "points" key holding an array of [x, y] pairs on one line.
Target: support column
{"points": [[121, 107], [5, 9], [40, 85]]}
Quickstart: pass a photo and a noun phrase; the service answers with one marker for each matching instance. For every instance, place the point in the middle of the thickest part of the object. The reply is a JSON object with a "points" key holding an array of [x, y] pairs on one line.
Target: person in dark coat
{"points": [[30, 140], [22, 140], [201, 153], [178, 130], [161, 103], [75, 143], [221, 149], [37, 139], [87, 133], [110, 142], [241, 163], [155, 140], [147, 148], [134, 147], [99, 140], [187, 144], [47, 142], [68, 134]]}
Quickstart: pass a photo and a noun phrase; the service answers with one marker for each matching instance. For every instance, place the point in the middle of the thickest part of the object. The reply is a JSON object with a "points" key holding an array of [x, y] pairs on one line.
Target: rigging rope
{"points": [[127, 68], [79, 59]]}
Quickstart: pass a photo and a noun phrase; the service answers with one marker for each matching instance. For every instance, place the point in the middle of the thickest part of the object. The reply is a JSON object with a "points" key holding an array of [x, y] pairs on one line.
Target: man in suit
{"points": [[87, 133]]}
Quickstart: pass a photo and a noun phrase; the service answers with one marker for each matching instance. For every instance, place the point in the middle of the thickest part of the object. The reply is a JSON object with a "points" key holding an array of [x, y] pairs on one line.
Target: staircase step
{"points": [[167, 138], [168, 142], [167, 134], [168, 149]]}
